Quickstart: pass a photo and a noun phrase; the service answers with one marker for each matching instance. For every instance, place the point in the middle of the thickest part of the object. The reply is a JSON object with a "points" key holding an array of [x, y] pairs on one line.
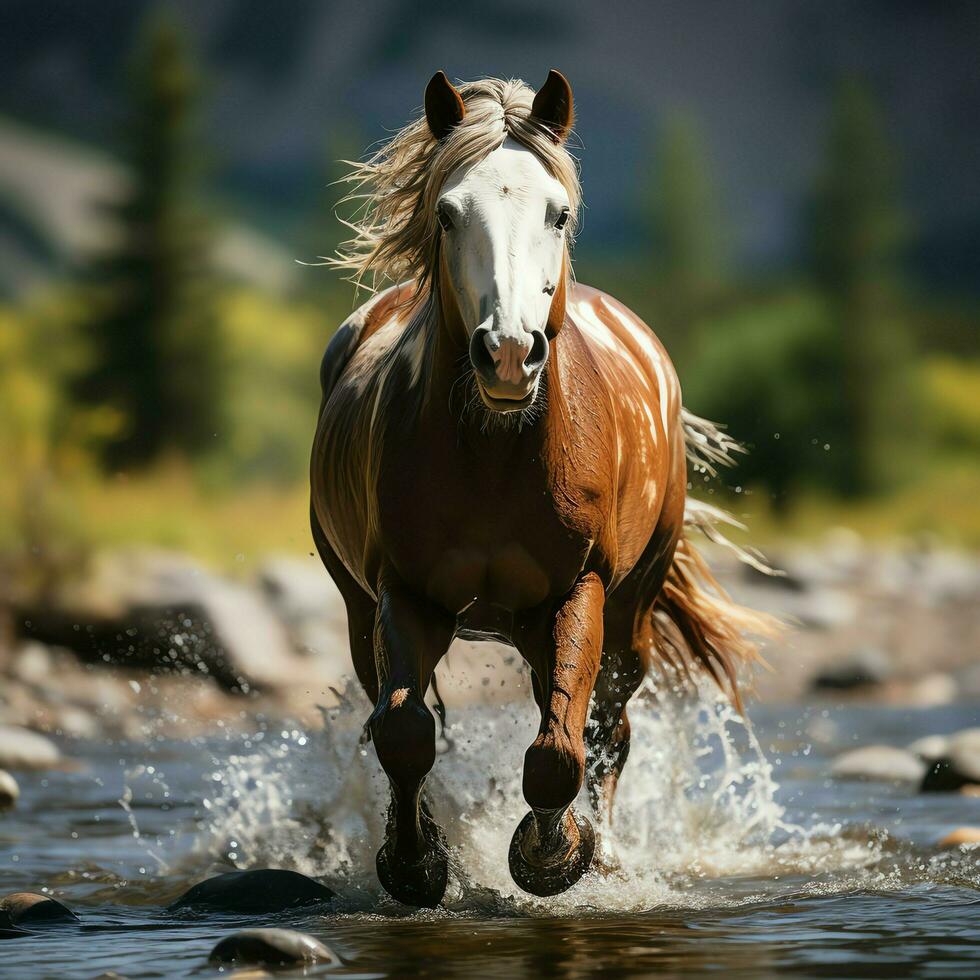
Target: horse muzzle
{"points": [[507, 367]]}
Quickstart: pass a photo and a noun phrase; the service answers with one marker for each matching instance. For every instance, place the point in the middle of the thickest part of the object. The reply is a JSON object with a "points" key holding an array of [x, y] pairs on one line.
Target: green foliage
{"points": [[155, 350], [684, 220], [856, 235], [55, 503], [770, 371], [326, 230], [856, 227]]}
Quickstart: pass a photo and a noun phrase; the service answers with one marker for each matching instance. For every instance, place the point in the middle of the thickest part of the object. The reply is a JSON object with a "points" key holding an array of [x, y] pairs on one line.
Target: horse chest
{"points": [[474, 536]]}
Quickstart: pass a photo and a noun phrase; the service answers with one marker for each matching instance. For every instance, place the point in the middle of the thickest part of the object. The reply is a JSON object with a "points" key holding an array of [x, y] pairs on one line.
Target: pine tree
{"points": [[688, 247], [856, 236], [154, 336]]}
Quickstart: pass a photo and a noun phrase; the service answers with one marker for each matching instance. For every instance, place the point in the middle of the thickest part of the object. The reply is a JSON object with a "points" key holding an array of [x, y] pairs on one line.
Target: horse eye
{"points": [[444, 218], [562, 219]]}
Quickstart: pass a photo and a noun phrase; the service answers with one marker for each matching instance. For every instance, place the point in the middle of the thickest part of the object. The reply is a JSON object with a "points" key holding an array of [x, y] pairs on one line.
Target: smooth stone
{"points": [[820, 608], [298, 590], [962, 835], [134, 603], [958, 766], [867, 667], [271, 947], [311, 608], [883, 763], [76, 722], [33, 663], [929, 691], [29, 908], [968, 681], [9, 790], [261, 890], [20, 748], [964, 746], [929, 747]]}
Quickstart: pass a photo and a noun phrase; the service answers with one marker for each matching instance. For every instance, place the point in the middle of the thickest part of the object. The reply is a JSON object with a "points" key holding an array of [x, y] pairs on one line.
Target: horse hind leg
{"points": [[553, 846], [607, 737], [410, 639]]}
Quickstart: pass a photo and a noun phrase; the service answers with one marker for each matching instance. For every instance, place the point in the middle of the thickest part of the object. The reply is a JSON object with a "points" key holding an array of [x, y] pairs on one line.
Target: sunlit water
{"points": [[731, 850]]}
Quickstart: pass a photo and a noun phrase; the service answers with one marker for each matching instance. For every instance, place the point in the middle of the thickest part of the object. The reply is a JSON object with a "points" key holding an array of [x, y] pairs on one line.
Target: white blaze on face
{"points": [[504, 251]]}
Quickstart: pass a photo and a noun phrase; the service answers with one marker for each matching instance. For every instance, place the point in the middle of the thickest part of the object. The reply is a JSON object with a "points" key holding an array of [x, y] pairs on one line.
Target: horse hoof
{"points": [[420, 883], [551, 877]]}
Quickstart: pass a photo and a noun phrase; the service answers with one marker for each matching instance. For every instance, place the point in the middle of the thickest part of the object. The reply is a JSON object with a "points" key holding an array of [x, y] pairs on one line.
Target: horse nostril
{"points": [[480, 356], [538, 353]]}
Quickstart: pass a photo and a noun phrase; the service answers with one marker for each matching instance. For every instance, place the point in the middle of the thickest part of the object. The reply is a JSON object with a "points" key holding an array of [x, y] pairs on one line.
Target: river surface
{"points": [[732, 851]]}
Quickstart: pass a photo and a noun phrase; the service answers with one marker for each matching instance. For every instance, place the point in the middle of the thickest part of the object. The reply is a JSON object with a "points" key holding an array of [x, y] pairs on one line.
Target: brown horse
{"points": [[501, 453]]}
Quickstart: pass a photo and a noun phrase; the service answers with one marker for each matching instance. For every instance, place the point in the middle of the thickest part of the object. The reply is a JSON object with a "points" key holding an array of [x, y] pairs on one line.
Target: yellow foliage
{"points": [[953, 397]]}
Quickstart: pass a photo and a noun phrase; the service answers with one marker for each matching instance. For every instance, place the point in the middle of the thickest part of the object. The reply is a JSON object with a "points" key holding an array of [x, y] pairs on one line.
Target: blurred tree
{"points": [[687, 234], [768, 371], [856, 231], [326, 229], [154, 337]]}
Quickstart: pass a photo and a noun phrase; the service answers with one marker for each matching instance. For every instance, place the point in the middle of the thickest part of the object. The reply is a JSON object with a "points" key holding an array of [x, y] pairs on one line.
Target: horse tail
{"points": [[697, 624]]}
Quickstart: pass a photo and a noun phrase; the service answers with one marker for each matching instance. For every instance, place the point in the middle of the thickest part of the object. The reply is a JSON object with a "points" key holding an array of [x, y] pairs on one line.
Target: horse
{"points": [[501, 452]]}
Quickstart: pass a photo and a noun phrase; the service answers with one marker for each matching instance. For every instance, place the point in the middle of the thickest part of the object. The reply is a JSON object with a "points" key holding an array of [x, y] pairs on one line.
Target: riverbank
{"points": [[151, 641]]}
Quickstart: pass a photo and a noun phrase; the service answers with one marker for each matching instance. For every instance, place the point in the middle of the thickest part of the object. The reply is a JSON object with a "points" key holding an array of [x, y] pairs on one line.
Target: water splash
{"points": [[696, 810], [134, 780]]}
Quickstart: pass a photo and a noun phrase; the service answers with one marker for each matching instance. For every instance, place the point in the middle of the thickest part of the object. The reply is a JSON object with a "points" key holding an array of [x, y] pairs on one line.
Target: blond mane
{"points": [[395, 227]]}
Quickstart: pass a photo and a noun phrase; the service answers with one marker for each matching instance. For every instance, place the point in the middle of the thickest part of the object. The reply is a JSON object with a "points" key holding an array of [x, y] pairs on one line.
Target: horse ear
{"points": [[553, 105], [444, 107]]}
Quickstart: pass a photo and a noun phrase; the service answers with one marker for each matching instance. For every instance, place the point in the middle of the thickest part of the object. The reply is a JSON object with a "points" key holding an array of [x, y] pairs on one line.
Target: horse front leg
{"points": [[553, 845], [410, 638]]}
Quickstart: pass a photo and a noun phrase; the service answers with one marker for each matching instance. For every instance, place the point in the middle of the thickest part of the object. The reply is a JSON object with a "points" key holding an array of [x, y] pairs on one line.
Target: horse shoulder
{"points": [[638, 382], [357, 330], [637, 371]]}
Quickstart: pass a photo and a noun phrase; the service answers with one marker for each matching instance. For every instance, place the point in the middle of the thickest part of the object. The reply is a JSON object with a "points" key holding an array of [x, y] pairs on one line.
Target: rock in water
{"points": [[882, 763], [9, 790], [310, 605], [21, 748], [957, 767], [271, 947], [153, 609], [962, 835], [259, 891], [29, 908], [941, 777], [929, 747], [300, 592], [867, 667]]}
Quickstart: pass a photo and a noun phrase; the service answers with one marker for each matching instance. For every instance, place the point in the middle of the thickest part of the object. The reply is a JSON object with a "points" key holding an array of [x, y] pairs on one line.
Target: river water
{"points": [[732, 850]]}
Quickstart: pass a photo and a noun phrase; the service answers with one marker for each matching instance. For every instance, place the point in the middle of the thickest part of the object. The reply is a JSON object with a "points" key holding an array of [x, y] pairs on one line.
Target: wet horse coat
{"points": [[506, 517], [557, 526]]}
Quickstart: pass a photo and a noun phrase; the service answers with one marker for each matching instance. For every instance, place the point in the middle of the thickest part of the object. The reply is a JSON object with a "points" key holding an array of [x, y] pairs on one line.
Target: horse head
{"points": [[503, 251]]}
